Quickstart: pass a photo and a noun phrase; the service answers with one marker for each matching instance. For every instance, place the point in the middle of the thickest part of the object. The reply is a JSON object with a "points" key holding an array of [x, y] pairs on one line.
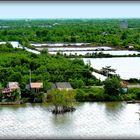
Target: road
{"points": [[129, 86]]}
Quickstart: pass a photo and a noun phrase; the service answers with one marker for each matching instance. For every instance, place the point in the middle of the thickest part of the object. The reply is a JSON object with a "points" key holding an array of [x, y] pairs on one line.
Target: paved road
{"points": [[129, 86], [134, 86]]}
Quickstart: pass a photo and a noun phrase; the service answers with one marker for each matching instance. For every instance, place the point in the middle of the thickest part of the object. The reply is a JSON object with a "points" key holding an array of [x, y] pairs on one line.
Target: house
{"points": [[123, 24], [36, 86], [8, 91], [62, 86], [124, 86], [13, 85]]}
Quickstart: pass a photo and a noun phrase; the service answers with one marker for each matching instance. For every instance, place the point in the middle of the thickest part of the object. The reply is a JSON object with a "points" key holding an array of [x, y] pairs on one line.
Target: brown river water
{"points": [[90, 120]]}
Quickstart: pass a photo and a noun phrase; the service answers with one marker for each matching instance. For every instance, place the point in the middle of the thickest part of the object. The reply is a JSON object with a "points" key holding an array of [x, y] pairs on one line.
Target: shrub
{"points": [[134, 93], [112, 85]]}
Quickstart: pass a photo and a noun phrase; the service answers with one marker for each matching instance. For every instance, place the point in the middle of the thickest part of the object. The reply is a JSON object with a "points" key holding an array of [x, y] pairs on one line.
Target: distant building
{"points": [[6, 92], [62, 86], [123, 24], [36, 86], [124, 86], [13, 85]]}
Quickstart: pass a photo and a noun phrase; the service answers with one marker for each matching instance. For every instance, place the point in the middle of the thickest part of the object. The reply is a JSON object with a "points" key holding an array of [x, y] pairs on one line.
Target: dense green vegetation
{"points": [[112, 91], [16, 63], [112, 86], [98, 94], [90, 94], [94, 31]]}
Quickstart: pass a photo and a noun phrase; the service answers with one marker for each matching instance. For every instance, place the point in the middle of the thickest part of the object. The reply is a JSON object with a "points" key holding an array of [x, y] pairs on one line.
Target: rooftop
{"points": [[36, 85], [13, 85], [6, 90], [63, 85]]}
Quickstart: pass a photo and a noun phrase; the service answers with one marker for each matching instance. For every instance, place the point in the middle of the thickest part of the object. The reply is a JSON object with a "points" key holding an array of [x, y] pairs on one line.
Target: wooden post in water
{"points": [[30, 79]]}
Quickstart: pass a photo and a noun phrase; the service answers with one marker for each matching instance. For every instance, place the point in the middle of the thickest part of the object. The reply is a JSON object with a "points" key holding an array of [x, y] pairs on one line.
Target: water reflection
{"points": [[114, 107], [60, 119]]}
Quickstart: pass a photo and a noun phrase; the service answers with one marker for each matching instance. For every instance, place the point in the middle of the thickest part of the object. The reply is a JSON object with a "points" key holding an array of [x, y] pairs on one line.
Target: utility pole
{"points": [[30, 76]]}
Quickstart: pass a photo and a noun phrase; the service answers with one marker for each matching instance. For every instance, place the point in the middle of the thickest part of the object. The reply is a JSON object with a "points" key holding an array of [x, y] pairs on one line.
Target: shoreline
{"points": [[131, 101], [10, 103]]}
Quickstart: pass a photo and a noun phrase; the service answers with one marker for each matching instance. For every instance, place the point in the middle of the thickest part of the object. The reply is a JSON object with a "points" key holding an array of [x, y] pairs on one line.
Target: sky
{"points": [[65, 9]]}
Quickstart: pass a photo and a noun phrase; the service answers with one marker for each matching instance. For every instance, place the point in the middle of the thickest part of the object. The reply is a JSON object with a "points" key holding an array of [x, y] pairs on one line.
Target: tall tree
{"points": [[112, 85]]}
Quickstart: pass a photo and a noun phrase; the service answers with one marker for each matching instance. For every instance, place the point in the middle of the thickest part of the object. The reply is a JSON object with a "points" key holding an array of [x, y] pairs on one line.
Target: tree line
{"points": [[15, 65], [98, 32]]}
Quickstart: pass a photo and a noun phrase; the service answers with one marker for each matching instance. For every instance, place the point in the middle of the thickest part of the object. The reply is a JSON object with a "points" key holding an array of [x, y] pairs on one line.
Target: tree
{"points": [[77, 83], [61, 99], [1, 87], [44, 51], [15, 95], [124, 36], [112, 85], [9, 45], [46, 86], [106, 70]]}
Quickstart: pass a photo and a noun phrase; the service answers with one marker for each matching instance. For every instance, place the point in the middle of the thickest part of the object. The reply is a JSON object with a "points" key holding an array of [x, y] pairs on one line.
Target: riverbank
{"points": [[11, 103], [89, 94], [97, 94]]}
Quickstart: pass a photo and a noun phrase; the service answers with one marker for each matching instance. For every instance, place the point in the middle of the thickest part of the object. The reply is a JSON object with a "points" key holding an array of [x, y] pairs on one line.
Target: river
{"points": [[90, 120]]}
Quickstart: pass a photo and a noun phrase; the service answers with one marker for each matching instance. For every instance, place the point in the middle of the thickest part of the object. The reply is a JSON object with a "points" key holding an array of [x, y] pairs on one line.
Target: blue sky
{"points": [[69, 9]]}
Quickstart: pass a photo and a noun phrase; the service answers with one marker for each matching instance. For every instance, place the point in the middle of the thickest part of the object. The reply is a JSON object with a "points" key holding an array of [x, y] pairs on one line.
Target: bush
{"points": [[90, 94], [112, 86], [80, 95], [134, 93], [77, 83], [130, 96]]}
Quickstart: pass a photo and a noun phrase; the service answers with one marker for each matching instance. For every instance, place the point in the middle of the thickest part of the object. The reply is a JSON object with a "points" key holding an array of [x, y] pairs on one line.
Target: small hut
{"points": [[62, 86], [36, 86], [10, 89], [13, 85]]}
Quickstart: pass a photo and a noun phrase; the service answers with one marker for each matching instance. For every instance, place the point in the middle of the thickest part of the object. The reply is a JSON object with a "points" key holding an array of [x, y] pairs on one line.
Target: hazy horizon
{"points": [[69, 10], [67, 18]]}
